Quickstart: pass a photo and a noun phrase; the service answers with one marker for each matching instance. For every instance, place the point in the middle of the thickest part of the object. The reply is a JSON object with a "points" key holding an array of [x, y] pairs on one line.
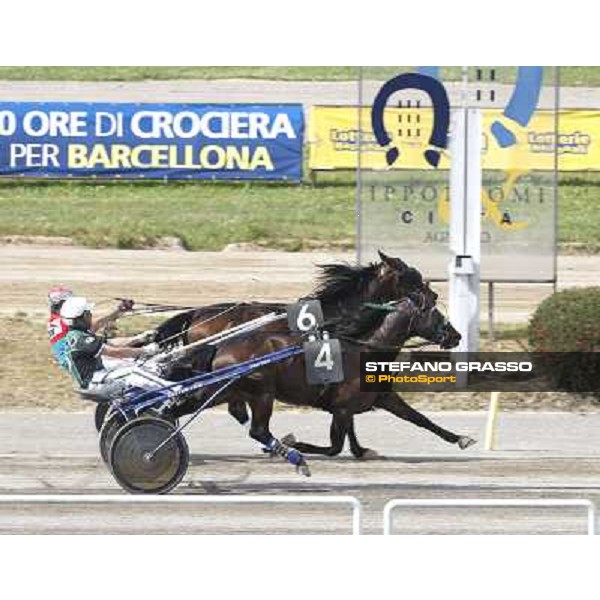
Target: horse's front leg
{"points": [[394, 404], [357, 450]]}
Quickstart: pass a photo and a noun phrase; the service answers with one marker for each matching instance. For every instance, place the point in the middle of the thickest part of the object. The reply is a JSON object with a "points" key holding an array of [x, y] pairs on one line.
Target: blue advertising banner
{"points": [[175, 141]]}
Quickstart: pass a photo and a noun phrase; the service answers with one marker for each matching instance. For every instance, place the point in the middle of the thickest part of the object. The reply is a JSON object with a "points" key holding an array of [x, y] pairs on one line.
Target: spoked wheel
{"points": [[135, 463], [100, 414]]}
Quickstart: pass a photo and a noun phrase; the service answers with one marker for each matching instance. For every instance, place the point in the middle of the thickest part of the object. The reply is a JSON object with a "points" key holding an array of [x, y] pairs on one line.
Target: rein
{"points": [[148, 308], [151, 307], [198, 324], [383, 348]]}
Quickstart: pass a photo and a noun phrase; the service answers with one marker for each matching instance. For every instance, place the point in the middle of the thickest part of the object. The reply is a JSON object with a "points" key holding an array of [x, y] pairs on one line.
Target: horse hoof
{"points": [[369, 454], [288, 439], [303, 469], [464, 441]]}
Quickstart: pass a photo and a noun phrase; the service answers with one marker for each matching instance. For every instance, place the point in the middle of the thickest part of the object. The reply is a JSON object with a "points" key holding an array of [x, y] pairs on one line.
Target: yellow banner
{"points": [[333, 140]]}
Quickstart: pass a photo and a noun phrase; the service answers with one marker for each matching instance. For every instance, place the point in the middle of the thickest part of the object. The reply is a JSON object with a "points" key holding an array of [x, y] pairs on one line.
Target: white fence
{"points": [[350, 501], [188, 499], [482, 503]]}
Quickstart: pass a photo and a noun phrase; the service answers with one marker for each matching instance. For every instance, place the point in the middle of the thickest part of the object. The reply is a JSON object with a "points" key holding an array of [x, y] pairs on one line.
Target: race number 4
{"points": [[323, 360], [305, 316]]}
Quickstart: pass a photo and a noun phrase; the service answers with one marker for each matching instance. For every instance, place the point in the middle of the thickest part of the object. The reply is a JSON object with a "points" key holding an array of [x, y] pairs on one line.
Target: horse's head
{"points": [[429, 323], [415, 315]]}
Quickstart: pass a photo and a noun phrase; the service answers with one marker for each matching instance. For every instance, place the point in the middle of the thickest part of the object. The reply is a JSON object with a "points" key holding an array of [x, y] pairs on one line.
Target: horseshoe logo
{"points": [[441, 112]]}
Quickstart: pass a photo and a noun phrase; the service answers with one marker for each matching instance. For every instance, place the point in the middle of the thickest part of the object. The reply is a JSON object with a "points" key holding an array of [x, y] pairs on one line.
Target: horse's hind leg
{"points": [[262, 409], [338, 430], [394, 404]]}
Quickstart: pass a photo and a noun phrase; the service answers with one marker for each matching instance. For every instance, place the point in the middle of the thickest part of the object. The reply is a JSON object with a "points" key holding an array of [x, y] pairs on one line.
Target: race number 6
{"points": [[306, 320], [305, 316]]}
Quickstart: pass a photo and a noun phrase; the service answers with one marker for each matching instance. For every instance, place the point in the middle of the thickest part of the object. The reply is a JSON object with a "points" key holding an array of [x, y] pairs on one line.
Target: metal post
{"points": [[465, 227]]}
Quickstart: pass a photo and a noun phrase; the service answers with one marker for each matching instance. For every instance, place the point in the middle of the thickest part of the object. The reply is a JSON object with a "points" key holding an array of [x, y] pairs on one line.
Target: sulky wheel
{"points": [[111, 425], [100, 414], [136, 466]]}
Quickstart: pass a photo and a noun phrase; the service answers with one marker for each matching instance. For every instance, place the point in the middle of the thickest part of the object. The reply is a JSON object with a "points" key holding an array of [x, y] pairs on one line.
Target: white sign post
{"points": [[465, 226]]}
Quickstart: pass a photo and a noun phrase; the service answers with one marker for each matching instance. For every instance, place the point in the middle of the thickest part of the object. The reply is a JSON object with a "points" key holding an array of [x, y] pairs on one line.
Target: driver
{"points": [[58, 328], [85, 353]]}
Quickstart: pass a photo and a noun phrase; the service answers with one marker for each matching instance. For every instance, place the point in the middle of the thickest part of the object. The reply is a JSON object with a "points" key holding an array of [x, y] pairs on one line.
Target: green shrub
{"points": [[569, 322]]}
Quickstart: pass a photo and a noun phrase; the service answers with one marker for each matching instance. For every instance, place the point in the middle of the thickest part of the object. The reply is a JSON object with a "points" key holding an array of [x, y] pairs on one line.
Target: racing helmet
{"points": [[75, 307], [57, 295]]}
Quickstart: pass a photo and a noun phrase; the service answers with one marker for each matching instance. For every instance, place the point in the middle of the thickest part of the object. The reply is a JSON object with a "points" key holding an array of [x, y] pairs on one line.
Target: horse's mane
{"points": [[338, 281]]}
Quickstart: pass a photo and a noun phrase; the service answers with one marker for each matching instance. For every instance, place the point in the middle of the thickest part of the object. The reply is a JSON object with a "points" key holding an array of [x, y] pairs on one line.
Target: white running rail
{"points": [[482, 503], [185, 499]]}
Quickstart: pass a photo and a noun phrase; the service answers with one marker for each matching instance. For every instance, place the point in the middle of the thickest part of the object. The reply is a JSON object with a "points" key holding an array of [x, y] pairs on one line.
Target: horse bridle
{"points": [[420, 304]]}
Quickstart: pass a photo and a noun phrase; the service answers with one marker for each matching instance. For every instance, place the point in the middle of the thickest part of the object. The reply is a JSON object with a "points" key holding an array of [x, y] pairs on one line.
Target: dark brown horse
{"points": [[416, 315], [341, 289], [385, 333]]}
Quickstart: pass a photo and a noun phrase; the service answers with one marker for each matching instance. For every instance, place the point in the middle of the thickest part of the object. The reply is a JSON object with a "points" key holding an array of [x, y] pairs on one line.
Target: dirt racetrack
{"points": [[541, 455]]}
